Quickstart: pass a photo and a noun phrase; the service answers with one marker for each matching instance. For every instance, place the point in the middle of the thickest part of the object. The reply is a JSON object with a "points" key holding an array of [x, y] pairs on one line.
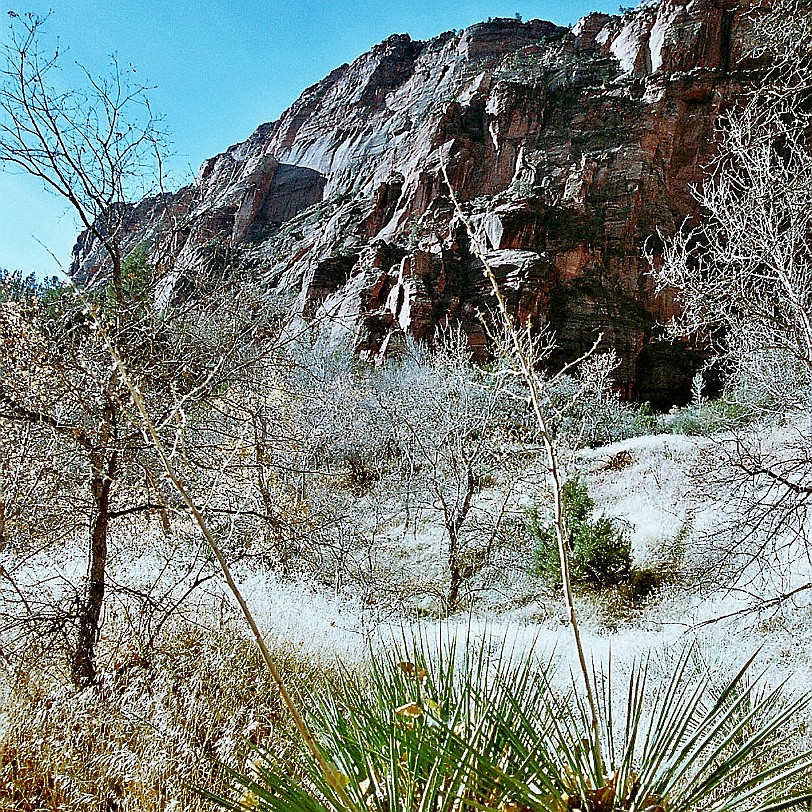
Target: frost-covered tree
{"points": [[457, 429], [76, 466], [90, 145], [743, 278], [743, 273], [390, 482]]}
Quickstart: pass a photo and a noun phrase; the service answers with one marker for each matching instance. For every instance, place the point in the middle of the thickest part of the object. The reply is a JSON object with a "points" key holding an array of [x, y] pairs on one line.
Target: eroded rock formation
{"points": [[570, 149]]}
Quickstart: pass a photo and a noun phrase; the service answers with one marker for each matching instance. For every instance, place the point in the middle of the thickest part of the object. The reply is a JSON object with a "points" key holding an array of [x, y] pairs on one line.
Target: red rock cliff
{"points": [[570, 149]]}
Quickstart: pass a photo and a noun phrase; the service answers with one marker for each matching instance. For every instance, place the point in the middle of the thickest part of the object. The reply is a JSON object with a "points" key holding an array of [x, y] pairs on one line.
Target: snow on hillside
{"points": [[650, 483]]}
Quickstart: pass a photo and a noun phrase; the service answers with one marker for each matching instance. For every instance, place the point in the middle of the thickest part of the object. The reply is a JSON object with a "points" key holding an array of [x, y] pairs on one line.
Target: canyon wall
{"points": [[569, 148]]}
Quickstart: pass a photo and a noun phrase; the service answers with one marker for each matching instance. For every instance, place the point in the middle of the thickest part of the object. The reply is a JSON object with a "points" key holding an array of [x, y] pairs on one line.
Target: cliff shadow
{"points": [[292, 189]]}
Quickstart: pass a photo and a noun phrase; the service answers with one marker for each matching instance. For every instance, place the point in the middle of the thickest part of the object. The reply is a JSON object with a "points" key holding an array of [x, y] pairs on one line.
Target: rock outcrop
{"points": [[569, 149]]}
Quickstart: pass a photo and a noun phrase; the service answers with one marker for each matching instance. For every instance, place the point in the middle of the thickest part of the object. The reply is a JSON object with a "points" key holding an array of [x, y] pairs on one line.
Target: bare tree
{"points": [[62, 404], [91, 146], [76, 458], [341, 468], [104, 373], [96, 147]]}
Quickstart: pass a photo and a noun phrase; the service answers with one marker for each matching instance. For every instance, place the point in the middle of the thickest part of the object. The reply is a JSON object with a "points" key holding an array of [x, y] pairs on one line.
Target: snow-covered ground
{"points": [[652, 484], [656, 486]]}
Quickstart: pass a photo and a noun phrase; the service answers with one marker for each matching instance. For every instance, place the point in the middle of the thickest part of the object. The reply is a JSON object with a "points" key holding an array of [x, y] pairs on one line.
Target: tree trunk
{"points": [[83, 666], [454, 524], [455, 580]]}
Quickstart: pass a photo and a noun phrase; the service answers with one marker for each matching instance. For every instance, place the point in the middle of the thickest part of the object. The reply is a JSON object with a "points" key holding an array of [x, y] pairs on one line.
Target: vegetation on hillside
{"points": [[160, 436]]}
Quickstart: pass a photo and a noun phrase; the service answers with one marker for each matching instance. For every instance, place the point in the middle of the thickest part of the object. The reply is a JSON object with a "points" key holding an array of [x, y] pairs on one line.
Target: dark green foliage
{"points": [[646, 418], [136, 285], [59, 301], [136, 275], [600, 553]]}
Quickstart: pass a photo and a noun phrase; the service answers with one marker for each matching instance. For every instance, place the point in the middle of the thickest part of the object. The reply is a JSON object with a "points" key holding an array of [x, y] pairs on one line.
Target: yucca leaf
{"points": [[788, 803], [740, 757]]}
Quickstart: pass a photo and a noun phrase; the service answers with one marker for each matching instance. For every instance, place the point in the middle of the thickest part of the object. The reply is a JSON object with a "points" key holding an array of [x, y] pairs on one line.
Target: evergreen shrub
{"points": [[600, 550]]}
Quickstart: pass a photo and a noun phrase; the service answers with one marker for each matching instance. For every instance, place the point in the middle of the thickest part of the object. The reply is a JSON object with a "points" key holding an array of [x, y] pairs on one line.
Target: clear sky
{"points": [[219, 69]]}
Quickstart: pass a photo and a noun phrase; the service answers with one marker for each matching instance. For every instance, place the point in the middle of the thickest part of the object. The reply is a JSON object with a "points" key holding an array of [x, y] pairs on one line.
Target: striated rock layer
{"points": [[569, 148]]}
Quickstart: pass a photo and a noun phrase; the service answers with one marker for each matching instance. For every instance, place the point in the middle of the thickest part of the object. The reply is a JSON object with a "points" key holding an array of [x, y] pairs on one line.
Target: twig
{"points": [[526, 363]]}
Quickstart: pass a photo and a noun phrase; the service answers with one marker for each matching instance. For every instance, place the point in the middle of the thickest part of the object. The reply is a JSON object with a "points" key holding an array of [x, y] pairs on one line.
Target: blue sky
{"points": [[219, 69]]}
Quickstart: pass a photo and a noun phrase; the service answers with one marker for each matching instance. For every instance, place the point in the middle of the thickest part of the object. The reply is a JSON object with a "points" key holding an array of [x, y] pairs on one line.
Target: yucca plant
{"points": [[681, 743], [409, 734], [485, 728]]}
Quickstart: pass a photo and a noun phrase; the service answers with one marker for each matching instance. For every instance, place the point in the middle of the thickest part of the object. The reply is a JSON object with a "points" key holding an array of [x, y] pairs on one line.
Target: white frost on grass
{"points": [[645, 482], [305, 618]]}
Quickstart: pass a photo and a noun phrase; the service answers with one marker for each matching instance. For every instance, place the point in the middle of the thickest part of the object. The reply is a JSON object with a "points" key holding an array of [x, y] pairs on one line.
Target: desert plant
{"points": [[600, 552], [484, 728]]}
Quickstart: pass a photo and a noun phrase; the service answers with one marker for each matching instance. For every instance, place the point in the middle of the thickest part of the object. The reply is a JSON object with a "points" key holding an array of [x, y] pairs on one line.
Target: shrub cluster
{"points": [[600, 551]]}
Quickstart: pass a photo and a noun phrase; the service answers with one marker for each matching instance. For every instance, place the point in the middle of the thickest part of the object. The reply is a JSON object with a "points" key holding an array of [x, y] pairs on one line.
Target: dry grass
{"points": [[153, 733]]}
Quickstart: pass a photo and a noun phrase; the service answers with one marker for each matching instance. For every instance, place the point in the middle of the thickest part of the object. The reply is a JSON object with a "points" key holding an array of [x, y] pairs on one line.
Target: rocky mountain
{"points": [[569, 148]]}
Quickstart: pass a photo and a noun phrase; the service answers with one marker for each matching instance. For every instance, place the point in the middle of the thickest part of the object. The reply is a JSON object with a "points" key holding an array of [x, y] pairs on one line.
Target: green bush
{"points": [[646, 418], [600, 552], [709, 418], [14, 287], [136, 279]]}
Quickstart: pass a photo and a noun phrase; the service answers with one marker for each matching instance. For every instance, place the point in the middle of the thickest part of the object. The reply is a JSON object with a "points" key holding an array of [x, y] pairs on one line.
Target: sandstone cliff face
{"points": [[569, 148]]}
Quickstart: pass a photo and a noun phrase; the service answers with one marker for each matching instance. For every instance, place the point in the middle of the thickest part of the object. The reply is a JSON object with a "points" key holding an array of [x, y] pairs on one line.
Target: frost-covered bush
{"points": [[597, 416], [590, 412], [768, 382], [707, 418]]}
